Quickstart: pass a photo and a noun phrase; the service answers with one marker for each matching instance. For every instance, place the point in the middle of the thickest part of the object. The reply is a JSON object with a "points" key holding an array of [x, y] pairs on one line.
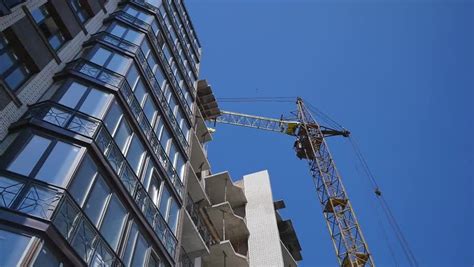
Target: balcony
{"points": [[227, 217], [102, 75], [221, 189], [125, 17], [83, 125], [198, 160], [196, 187], [54, 205], [196, 238], [124, 45], [224, 254]]}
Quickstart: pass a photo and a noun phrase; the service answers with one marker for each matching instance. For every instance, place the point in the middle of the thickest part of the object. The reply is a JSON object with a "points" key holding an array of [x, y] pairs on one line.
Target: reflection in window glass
{"points": [[113, 223], [165, 196], [173, 215], [58, 164], [101, 56], [135, 154], [73, 94], [48, 26], [12, 247], [29, 156], [136, 249], [46, 258], [113, 116], [122, 135], [96, 202], [82, 182], [94, 103]]}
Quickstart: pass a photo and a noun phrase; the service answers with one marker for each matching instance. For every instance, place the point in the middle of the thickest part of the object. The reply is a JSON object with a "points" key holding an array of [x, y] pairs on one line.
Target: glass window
{"points": [[48, 26], [180, 166], [60, 162], [73, 94], [150, 110], [113, 117], [138, 14], [13, 246], [82, 182], [135, 154], [122, 135], [78, 6], [164, 199], [29, 156], [90, 100], [96, 203], [126, 33], [111, 61], [136, 249], [101, 56], [154, 262], [94, 103], [113, 222], [46, 258], [12, 71], [165, 138], [172, 218]]}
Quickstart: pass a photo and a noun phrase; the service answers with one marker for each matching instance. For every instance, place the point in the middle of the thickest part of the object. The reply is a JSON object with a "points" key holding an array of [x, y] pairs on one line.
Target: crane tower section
{"points": [[349, 244]]}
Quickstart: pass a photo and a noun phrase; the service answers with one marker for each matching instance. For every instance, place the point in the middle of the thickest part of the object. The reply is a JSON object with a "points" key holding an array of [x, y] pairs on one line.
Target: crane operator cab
{"points": [[303, 142]]}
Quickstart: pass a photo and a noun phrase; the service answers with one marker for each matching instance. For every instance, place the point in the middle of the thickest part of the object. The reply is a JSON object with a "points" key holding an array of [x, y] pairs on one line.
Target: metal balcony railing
{"points": [[184, 260], [167, 35], [193, 211], [51, 203], [164, 62], [98, 72], [65, 118]]}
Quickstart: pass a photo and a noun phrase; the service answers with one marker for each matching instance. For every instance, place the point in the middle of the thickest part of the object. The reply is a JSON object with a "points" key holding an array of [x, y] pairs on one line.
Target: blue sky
{"points": [[398, 74]]}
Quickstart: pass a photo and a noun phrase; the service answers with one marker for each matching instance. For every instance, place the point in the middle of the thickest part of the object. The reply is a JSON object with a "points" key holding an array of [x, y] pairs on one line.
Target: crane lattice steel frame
{"points": [[346, 235]]}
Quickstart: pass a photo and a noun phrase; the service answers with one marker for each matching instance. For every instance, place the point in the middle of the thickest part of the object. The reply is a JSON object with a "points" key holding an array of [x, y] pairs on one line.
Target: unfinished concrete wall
{"points": [[264, 240]]}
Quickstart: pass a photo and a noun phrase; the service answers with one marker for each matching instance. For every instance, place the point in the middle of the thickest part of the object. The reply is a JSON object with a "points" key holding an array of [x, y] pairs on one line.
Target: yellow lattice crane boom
{"points": [[310, 145]]}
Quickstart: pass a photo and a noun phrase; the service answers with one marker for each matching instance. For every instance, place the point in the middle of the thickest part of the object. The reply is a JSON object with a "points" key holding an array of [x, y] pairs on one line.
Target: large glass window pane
{"points": [[165, 137], [59, 164], [113, 223], [29, 156], [173, 215], [123, 134], [82, 182], [113, 116], [73, 94], [12, 247], [164, 199], [140, 252], [48, 26], [46, 258], [135, 154], [17, 77], [150, 110], [95, 103], [119, 64], [97, 200], [100, 56]]}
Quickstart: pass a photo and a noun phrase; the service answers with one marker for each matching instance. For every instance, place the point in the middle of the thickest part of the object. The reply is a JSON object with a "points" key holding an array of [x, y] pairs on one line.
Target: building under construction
{"points": [[103, 157]]}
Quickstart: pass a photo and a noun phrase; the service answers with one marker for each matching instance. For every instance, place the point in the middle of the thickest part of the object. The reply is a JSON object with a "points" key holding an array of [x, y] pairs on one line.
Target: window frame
{"points": [[20, 143], [59, 33], [17, 64]]}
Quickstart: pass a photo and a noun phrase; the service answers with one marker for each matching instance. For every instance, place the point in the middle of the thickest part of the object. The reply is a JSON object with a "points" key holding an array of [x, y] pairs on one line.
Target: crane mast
{"points": [[346, 235]]}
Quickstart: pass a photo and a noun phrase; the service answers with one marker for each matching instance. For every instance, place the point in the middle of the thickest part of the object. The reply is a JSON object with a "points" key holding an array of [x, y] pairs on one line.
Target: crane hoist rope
{"points": [[346, 235], [347, 238]]}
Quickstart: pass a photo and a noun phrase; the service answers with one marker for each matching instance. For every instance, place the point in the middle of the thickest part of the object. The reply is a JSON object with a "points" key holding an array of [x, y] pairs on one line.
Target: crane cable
{"points": [[386, 209]]}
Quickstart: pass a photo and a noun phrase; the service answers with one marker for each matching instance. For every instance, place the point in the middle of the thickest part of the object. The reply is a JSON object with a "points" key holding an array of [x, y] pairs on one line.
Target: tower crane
{"points": [[310, 145]]}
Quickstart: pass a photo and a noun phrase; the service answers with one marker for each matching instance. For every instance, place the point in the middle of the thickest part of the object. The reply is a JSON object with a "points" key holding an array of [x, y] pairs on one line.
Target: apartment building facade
{"points": [[103, 136]]}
